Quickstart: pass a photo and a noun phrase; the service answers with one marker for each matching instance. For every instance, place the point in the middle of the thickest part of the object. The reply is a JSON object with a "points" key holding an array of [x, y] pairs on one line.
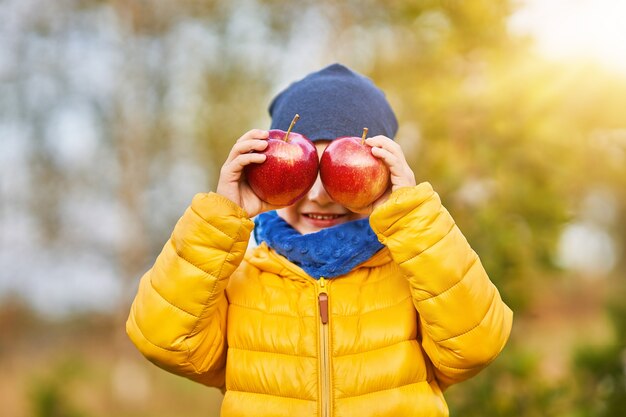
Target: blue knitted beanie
{"points": [[334, 102]]}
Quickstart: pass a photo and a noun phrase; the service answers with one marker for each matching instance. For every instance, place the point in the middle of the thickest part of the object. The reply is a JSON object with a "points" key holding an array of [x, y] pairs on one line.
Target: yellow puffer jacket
{"points": [[384, 340]]}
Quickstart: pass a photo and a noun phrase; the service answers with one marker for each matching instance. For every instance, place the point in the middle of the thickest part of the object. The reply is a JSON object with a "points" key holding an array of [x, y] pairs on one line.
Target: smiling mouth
{"points": [[323, 216]]}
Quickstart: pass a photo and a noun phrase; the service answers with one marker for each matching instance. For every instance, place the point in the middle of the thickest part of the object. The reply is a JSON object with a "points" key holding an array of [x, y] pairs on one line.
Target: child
{"points": [[367, 312]]}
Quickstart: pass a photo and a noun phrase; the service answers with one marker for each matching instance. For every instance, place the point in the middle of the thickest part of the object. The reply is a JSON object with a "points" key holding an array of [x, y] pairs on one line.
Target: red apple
{"points": [[351, 175], [289, 171]]}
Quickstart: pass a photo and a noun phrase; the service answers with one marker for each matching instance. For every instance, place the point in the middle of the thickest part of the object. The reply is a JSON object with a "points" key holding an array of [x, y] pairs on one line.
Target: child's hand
{"points": [[401, 174], [232, 183]]}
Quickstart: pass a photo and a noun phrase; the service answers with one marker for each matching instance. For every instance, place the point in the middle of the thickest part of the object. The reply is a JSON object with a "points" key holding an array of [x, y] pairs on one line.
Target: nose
{"points": [[318, 193]]}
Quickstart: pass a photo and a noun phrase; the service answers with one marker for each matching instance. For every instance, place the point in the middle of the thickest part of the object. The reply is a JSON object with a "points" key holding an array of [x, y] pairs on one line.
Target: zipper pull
{"points": [[322, 298]]}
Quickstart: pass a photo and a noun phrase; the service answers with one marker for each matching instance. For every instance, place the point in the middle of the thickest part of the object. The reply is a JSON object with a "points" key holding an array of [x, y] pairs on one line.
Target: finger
{"points": [[246, 146], [246, 159], [232, 171], [389, 158], [254, 134], [384, 142], [401, 173]]}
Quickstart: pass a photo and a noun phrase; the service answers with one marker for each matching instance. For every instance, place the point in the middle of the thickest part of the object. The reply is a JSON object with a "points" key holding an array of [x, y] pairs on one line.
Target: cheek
{"points": [[289, 214], [357, 216]]}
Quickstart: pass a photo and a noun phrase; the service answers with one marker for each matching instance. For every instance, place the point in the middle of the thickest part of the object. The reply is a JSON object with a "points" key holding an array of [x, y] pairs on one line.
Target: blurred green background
{"points": [[113, 114]]}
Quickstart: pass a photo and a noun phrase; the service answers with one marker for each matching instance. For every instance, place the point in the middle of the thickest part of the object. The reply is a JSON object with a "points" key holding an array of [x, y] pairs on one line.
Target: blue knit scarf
{"points": [[328, 253]]}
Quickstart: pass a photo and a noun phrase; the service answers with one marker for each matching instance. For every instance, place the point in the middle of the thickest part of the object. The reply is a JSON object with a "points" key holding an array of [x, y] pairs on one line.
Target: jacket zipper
{"points": [[322, 298]]}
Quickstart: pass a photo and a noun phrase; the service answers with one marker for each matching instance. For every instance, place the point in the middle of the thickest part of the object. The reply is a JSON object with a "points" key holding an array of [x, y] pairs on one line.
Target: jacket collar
{"points": [[268, 260]]}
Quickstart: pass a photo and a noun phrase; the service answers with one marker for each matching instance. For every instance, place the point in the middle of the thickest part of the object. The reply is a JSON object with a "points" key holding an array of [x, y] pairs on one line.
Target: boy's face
{"points": [[316, 210]]}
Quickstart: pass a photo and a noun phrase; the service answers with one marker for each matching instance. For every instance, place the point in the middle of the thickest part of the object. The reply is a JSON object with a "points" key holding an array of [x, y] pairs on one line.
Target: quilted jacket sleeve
{"points": [[465, 324], [178, 317]]}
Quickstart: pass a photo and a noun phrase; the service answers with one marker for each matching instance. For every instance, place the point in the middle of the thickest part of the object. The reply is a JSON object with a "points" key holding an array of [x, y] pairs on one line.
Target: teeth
{"points": [[322, 217]]}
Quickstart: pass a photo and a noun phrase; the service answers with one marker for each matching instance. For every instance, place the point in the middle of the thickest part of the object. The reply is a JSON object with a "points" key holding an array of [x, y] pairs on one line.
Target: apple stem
{"points": [[364, 135], [293, 122]]}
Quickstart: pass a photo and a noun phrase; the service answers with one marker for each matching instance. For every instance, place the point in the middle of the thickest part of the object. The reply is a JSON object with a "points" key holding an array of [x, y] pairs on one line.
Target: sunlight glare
{"points": [[576, 29]]}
